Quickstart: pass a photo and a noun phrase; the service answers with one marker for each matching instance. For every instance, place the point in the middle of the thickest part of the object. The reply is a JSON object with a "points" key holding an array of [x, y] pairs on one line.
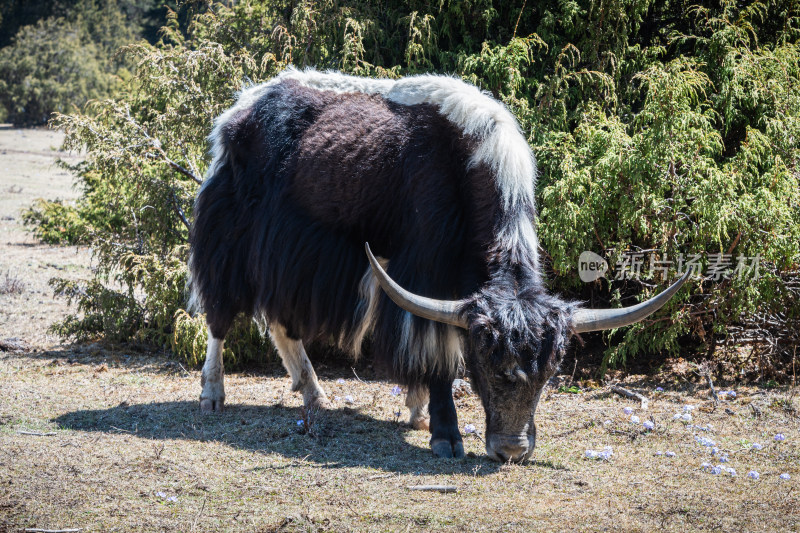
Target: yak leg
{"points": [[297, 363], [445, 437], [417, 402], [212, 398]]}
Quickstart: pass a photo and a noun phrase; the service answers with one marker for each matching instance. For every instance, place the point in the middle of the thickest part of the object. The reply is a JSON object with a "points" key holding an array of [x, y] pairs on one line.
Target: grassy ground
{"points": [[112, 440]]}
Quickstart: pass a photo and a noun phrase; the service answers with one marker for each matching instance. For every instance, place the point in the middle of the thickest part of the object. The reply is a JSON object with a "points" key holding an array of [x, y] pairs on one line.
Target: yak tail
{"points": [[217, 258]]}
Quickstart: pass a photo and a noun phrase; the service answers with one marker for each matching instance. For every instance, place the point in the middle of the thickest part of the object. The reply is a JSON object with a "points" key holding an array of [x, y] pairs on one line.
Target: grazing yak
{"points": [[437, 177]]}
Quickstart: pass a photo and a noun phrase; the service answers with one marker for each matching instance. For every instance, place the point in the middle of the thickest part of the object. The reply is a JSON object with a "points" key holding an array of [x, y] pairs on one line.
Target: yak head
{"points": [[516, 336]]}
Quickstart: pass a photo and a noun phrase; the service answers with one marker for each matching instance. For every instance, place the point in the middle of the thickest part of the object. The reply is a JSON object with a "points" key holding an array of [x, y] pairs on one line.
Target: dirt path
{"points": [[28, 171], [111, 440]]}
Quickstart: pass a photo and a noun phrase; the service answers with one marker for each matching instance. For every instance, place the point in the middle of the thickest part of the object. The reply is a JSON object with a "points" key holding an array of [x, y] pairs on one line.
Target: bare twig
{"points": [[622, 391], [37, 530], [574, 368], [519, 17], [196, 518], [155, 143], [433, 488], [381, 476], [37, 433], [179, 212], [710, 382], [735, 242], [356, 375], [630, 434]]}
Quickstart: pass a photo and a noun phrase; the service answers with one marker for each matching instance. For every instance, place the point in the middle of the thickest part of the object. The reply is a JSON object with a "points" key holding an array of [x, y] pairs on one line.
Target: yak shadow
{"points": [[337, 437]]}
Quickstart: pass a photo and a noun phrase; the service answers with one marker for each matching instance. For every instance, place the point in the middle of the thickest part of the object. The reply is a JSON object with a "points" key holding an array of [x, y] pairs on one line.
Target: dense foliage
{"points": [[660, 127], [56, 54]]}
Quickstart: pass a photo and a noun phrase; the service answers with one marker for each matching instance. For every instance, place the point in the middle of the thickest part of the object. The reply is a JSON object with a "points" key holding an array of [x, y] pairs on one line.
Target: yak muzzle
{"points": [[510, 448]]}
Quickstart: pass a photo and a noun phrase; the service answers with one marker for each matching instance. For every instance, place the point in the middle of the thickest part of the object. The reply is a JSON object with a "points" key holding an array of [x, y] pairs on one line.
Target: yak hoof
{"points": [[320, 402], [446, 449], [208, 406], [422, 423]]}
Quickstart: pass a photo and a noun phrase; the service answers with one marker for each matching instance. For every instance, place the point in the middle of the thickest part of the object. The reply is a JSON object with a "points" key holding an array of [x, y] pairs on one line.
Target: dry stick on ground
{"points": [[184, 370], [434, 488], [630, 434], [37, 433], [381, 476], [356, 375], [196, 518], [630, 394], [37, 530]]}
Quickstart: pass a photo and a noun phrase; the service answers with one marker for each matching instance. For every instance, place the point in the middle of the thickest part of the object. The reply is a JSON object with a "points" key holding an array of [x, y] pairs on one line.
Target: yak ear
{"points": [[445, 311], [586, 320]]}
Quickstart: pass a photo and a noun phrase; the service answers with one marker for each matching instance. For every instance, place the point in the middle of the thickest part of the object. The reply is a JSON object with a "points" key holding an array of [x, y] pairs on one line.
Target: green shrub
{"points": [[65, 58], [51, 66], [656, 127], [56, 223]]}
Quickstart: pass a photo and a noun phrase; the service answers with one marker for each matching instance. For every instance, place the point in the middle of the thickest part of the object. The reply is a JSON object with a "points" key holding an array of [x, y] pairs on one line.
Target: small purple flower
{"points": [[780, 437], [397, 414], [469, 428], [676, 416], [705, 465], [729, 470], [757, 446], [714, 450], [337, 398], [606, 422], [396, 390], [603, 455], [173, 499], [659, 389], [659, 453], [161, 494], [785, 477], [670, 454], [723, 458], [634, 419], [732, 394], [753, 474], [688, 408], [349, 399], [686, 417], [628, 411], [705, 441], [648, 425], [716, 470], [300, 422], [340, 381]]}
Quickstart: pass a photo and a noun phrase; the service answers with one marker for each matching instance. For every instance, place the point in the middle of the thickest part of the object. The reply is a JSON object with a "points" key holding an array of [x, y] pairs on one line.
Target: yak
{"points": [[437, 179]]}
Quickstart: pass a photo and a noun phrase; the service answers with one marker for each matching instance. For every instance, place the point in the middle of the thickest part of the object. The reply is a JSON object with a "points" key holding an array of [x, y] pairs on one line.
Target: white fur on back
{"points": [[502, 146]]}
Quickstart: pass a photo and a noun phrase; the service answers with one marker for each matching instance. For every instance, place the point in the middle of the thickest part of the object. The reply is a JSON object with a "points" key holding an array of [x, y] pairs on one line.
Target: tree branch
{"points": [[155, 143]]}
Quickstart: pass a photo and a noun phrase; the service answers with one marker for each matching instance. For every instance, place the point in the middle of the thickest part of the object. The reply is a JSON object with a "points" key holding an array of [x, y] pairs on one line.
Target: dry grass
{"points": [[11, 284], [128, 435], [124, 447]]}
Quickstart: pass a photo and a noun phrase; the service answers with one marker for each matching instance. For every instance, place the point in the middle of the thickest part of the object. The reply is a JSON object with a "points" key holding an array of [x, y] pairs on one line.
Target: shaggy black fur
{"points": [[306, 177]]}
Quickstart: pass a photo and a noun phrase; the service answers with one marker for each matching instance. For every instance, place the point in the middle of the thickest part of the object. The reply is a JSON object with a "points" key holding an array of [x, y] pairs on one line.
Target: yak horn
{"points": [[447, 312], [586, 320]]}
